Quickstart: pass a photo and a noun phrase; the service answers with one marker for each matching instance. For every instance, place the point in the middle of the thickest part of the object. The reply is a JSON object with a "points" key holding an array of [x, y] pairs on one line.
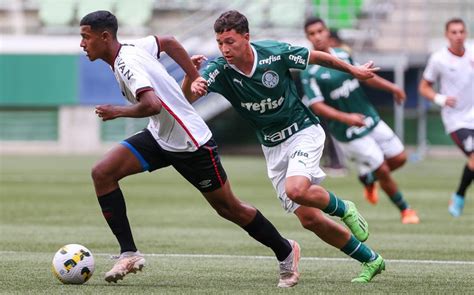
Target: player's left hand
{"points": [[198, 60], [365, 71], [399, 95], [105, 112], [199, 86]]}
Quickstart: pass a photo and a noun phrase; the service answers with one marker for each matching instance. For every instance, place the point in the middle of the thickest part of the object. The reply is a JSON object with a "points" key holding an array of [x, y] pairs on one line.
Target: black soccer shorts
{"points": [[201, 168], [464, 139]]}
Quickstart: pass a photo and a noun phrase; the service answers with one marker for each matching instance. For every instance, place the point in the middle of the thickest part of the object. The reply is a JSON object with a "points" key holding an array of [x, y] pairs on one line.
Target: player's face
{"points": [[318, 35], [92, 43], [456, 34], [232, 45]]}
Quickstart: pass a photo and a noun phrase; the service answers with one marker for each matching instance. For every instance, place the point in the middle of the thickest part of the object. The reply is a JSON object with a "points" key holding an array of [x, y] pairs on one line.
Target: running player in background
{"points": [[255, 78], [354, 122], [453, 68], [175, 136]]}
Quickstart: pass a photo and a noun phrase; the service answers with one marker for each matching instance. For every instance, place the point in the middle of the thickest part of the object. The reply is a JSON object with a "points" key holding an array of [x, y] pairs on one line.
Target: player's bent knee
{"points": [[397, 161], [312, 223], [296, 194], [99, 173], [383, 172]]}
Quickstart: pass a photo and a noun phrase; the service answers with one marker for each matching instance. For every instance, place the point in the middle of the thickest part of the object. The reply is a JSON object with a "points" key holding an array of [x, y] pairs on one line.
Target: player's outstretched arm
{"points": [[351, 119], [177, 52], [324, 59], [384, 84], [193, 90], [426, 89], [148, 105]]}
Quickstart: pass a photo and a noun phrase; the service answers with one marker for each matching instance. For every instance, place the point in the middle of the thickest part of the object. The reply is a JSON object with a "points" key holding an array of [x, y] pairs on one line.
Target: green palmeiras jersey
{"points": [[341, 91], [267, 97]]}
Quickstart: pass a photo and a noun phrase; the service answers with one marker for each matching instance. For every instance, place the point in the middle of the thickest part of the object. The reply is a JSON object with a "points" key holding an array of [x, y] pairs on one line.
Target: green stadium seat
{"points": [[131, 15], [287, 14], [56, 13], [87, 6], [338, 13]]}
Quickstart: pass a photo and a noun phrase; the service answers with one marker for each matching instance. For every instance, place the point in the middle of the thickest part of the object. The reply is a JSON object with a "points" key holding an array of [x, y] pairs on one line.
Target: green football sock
{"points": [[359, 251], [399, 201], [336, 206]]}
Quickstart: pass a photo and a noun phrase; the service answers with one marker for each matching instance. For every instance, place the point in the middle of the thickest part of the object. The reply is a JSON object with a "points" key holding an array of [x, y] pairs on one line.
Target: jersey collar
{"points": [[116, 55], [255, 61]]}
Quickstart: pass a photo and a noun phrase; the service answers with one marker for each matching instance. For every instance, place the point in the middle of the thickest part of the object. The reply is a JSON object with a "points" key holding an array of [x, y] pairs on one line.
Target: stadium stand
{"points": [[133, 17], [86, 6], [56, 15]]}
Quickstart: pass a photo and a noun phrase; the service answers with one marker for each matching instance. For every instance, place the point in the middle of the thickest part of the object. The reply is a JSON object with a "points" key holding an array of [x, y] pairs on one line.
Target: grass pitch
{"points": [[46, 202]]}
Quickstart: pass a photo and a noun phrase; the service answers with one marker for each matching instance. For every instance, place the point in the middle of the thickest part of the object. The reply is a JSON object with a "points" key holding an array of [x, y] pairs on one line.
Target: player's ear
{"points": [[247, 36], [106, 36]]}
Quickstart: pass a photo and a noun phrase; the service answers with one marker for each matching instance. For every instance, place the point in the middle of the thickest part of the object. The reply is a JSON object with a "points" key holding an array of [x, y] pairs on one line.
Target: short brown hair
{"points": [[313, 20], [455, 20], [229, 20]]}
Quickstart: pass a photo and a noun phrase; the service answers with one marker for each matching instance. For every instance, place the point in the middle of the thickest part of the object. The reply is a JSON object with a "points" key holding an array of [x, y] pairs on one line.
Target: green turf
{"points": [[46, 202]]}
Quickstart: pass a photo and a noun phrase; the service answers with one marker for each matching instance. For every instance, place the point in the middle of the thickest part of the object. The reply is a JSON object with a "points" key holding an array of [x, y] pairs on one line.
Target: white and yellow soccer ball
{"points": [[73, 264]]}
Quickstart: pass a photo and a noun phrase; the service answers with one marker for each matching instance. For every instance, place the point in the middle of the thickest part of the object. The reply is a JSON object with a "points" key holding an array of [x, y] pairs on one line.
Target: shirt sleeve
{"points": [[212, 73], [312, 92], [295, 57], [431, 72], [150, 44], [133, 76]]}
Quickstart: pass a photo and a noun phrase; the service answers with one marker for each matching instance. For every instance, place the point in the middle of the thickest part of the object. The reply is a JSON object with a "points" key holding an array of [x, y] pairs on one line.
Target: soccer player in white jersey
{"points": [[255, 78], [175, 136], [453, 68], [354, 121]]}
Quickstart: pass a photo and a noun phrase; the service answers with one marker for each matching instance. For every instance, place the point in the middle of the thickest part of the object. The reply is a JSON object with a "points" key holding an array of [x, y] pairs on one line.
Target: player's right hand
{"points": [[198, 60], [365, 71], [355, 119], [450, 102], [199, 86]]}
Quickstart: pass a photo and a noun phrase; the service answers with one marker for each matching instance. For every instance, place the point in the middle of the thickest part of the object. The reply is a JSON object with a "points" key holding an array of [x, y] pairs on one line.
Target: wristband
{"points": [[440, 99]]}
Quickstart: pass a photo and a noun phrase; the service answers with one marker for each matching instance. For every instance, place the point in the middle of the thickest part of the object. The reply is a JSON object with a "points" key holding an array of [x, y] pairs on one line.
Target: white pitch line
{"points": [[408, 261]]}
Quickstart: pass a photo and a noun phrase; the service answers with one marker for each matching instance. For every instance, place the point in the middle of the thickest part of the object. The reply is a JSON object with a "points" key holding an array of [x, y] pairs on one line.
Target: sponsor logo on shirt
{"points": [[270, 79], [237, 81], [269, 60], [354, 130], [263, 105], [212, 77], [298, 59], [123, 69], [345, 90], [282, 134]]}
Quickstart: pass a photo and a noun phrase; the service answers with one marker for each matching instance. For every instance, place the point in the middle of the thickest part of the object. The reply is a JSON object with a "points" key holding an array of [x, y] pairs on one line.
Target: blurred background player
{"points": [[335, 41], [453, 68], [175, 136], [255, 78], [354, 122]]}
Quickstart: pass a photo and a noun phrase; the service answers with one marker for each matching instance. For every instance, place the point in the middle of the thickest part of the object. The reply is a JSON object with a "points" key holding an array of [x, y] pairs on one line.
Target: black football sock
{"points": [[115, 212], [263, 231], [467, 177]]}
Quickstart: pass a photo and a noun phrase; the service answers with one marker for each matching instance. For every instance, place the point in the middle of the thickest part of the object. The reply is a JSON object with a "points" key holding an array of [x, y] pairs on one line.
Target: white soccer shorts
{"points": [[369, 151], [298, 155]]}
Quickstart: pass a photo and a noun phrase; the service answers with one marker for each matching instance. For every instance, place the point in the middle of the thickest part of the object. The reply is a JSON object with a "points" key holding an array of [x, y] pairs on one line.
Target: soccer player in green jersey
{"points": [[255, 78], [354, 122]]}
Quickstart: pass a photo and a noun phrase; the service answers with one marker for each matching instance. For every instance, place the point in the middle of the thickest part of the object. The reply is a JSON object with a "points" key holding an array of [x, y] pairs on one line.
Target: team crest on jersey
{"points": [[270, 79]]}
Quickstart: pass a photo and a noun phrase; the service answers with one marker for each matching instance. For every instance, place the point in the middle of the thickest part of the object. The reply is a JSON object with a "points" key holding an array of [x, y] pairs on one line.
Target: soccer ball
{"points": [[73, 264]]}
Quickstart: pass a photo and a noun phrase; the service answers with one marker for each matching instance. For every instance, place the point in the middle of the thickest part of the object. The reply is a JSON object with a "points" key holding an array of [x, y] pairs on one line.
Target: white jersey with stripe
{"points": [[177, 128], [456, 78]]}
